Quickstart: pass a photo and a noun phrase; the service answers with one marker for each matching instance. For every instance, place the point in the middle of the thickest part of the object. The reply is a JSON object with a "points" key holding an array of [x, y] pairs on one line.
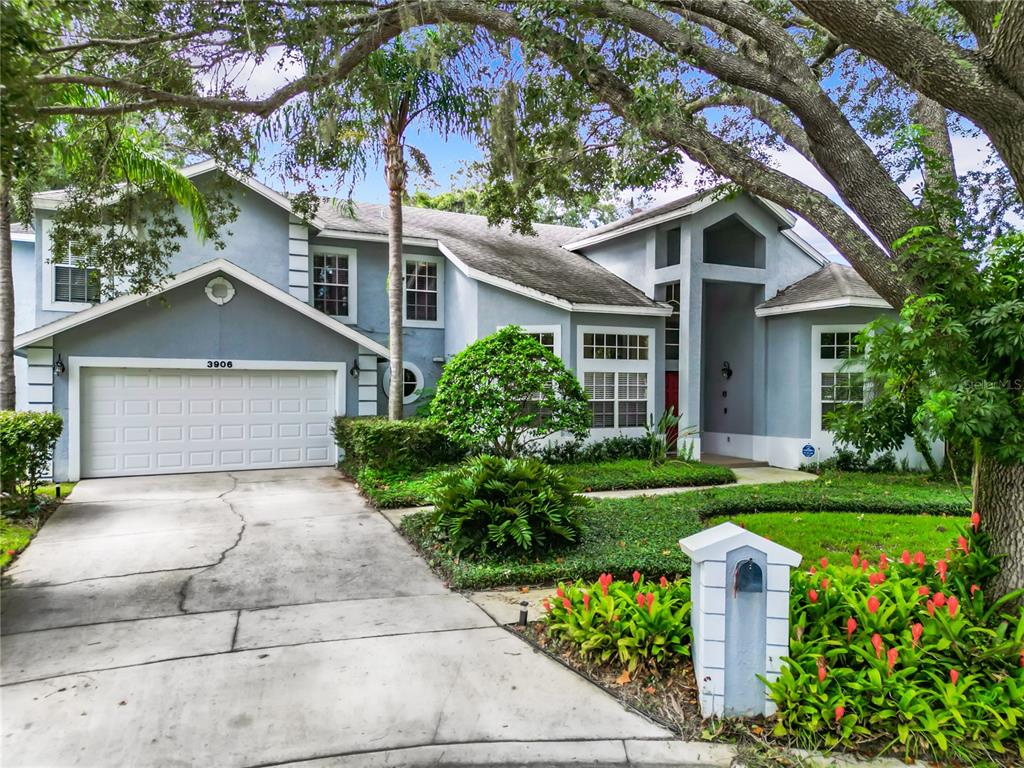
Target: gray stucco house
{"points": [[241, 360]]}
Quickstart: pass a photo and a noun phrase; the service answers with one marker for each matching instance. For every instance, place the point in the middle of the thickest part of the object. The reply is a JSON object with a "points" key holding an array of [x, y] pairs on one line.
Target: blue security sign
{"points": [[807, 450]]}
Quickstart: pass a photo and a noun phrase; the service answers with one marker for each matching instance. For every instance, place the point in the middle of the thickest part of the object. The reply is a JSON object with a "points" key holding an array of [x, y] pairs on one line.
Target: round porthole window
{"points": [[220, 291], [412, 383]]}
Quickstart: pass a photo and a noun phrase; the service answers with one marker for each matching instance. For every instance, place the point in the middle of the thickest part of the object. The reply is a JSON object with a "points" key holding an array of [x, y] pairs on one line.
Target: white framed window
{"points": [[835, 380], [412, 384], [67, 285], [423, 291], [616, 366], [549, 336], [333, 281]]}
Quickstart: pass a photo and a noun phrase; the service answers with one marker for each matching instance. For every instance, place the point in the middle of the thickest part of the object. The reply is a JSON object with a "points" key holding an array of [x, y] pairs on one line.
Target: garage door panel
{"points": [[151, 421]]}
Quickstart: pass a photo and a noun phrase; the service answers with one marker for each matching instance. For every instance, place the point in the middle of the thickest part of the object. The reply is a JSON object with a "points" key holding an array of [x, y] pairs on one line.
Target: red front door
{"points": [[672, 401]]}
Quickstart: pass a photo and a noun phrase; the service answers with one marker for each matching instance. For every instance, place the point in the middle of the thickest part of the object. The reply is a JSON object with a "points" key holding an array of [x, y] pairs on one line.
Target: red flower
{"points": [[664, 582], [851, 625], [931, 608], [824, 583], [560, 592], [905, 557], [824, 562], [891, 657], [883, 562], [586, 601], [855, 561], [876, 578], [813, 570], [566, 604], [650, 602], [822, 672], [605, 580], [547, 605], [919, 559], [952, 604], [640, 599], [915, 632], [940, 566], [974, 588], [873, 604], [812, 595], [940, 599], [975, 521], [876, 641], [923, 591], [962, 543], [12, 552], [1022, 657], [840, 711], [636, 576], [954, 675]]}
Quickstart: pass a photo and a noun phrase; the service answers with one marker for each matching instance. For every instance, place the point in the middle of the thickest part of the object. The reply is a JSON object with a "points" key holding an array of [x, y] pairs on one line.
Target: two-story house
{"points": [[241, 360]]}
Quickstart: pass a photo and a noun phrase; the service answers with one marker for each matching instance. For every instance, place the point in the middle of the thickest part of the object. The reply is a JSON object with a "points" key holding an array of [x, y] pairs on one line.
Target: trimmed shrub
{"points": [[26, 447], [609, 449], [505, 392], [393, 445], [907, 652], [493, 505], [631, 622]]}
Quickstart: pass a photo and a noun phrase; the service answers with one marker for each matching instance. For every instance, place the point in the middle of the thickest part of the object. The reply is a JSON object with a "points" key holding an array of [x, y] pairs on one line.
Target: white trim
{"points": [[689, 209], [546, 298], [804, 246], [353, 285], [585, 365], [440, 263], [211, 288], [813, 306], [420, 382], [48, 281], [216, 265], [76, 364], [555, 330], [23, 237], [373, 237], [819, 365]]}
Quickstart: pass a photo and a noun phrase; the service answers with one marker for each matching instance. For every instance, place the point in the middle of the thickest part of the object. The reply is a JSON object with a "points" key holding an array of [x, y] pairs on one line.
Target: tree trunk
{"points": [[395, 175], [999, 499], [7, 383]]}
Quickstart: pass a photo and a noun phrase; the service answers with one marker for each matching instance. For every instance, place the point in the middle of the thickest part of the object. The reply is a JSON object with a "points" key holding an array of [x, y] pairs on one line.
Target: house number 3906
{"points": [[219, 364]]}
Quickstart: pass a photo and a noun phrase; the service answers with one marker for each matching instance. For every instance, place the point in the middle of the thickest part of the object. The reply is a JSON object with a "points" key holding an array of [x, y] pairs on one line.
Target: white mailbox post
{"points": [[740, 594]]}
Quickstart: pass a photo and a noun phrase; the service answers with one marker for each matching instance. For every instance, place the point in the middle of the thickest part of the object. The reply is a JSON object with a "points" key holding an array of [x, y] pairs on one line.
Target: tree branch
{"points": [[980, 16]]}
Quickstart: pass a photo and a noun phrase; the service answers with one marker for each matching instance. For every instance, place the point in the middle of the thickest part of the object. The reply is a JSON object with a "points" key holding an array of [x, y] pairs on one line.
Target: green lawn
{"points": [[391, 489], [642, 533], [16, 532]]}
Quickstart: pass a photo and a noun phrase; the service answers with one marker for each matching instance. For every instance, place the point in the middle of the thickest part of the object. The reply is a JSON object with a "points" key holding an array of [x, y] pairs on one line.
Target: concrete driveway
{"points": [[269, 618]]}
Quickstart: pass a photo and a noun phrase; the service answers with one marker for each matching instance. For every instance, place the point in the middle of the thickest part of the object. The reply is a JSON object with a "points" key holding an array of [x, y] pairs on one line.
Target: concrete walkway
{"points": [[272, 618], [744, 476]]}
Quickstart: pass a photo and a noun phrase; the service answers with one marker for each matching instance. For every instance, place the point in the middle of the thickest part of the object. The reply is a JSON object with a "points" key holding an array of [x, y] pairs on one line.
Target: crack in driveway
{"points": [[187, 583]]}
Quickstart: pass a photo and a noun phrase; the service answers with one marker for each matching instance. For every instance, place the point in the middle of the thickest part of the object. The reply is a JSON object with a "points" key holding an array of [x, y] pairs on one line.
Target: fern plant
{"points": [[492, 505]]}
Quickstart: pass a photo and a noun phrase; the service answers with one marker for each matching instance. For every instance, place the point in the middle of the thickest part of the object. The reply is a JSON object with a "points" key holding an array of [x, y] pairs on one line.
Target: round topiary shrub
{"points": [[494, 505], [504, 392]]}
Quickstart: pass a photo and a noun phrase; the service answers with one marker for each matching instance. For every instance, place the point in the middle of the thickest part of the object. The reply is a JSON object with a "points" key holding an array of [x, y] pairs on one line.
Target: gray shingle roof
{"points": [[831, 282], [648, 213], [537, 262]]}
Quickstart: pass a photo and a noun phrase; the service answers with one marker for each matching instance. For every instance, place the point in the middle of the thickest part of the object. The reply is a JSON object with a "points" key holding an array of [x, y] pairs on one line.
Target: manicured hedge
{"points": [[395, 445], [26, 448]]}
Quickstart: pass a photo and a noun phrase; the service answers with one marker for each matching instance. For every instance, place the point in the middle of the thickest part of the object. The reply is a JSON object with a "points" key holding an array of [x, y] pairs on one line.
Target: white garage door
{"points": [[156, 421]]}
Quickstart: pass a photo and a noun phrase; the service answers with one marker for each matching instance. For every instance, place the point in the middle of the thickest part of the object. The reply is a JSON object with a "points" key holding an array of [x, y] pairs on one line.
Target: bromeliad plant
{"points": [[908, 652], [634, 622]]}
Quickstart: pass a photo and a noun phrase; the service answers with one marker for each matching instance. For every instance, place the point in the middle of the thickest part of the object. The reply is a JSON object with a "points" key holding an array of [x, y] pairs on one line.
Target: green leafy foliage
{"points": [[505, 392], [643, 533], [27, 440], [578, 452], [630, 622], [494, 505], [395, 445], [906, 651]]}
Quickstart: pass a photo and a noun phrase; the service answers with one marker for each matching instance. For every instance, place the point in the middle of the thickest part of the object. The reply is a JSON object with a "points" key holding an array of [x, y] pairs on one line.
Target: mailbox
{"points": [[740, 616]]}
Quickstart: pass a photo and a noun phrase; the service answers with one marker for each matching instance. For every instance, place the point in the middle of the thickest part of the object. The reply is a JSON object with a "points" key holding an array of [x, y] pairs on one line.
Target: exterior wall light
{"points": [[726, 370], [58, 367]]}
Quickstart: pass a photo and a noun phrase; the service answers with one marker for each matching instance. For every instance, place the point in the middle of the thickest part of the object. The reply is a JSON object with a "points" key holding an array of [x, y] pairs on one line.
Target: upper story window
{"points": [[424, 291], [615, 346], [668, 247], [334, 281], [734, 243], [672, 296], [838, 346], [836, 378], [73, 283], [549, 336]]}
